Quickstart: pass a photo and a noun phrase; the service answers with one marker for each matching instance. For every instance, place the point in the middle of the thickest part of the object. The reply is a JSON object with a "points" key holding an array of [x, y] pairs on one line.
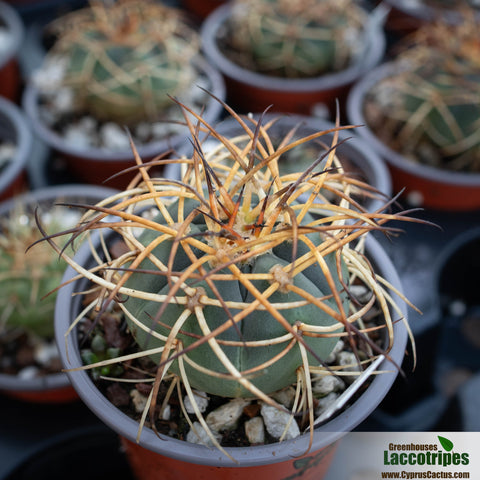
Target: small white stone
{"points": [[113, 137], [349, 361], [276, 421], [200, 436], [339, 346], [324, 385], [457, 308], [285, 397], [44, 353], [201, 400], [28, 373], [255, 431], [77, 136], [325, 402], [49, 78], [7, 152], [167, 412], [226, 416], [139, 401], [62, 102]]}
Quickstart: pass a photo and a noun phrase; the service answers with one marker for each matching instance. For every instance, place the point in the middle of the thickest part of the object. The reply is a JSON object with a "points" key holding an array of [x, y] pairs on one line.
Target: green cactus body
{"points": [[122, 67], [26, 278], [258, 325], [297, 39]]}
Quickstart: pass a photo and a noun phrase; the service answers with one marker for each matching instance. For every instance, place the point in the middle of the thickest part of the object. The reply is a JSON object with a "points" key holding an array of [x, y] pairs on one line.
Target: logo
{"points": [[435, 454]]}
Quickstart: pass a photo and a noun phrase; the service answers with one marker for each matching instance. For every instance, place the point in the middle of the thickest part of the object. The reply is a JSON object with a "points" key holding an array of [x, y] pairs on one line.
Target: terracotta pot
{"points": [[424, 185], [95, 165], [168, 458], [406, 16], [249, 91], [9, 71], [54, 388], [201, 8], [14, 128], [357, 157]]}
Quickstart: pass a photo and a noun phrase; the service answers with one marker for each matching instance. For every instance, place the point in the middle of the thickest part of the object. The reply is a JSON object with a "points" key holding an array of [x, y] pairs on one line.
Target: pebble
{"points": [[326, 384], [114, 137], [349, 361], [336, 350], [7, 152], [276, 420], [28, 373], [255, 431], [325, 402], [285, 397], [139, 401], [44, 353], [226, 417], [200, 436], [201, 399]]}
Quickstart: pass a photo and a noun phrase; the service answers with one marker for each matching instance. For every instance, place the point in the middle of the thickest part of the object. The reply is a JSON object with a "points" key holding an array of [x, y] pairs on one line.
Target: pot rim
{"points": [[355, 115], [426, 12], [55, 380], [212, 111], [199, 454], [370, 57], [15, 26], [23, 142]]}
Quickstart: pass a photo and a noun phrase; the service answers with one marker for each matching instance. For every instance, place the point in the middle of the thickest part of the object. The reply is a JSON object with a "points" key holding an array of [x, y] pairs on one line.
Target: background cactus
{"points": [[25, 278], [300, 38], [430, 109], [226, 278], [122, 59]]}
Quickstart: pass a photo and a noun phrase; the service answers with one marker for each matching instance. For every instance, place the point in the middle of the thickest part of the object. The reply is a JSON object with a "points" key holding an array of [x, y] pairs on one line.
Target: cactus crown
{"points": [[433, 101], [122, 59], [301, 38], [228, 280], [25, 278]]}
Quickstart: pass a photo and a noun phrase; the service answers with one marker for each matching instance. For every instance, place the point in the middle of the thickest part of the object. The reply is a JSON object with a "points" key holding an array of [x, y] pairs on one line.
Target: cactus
{"points": [[26, 278], [432, 104], [122, 60], [227, 279], [300, 38]]}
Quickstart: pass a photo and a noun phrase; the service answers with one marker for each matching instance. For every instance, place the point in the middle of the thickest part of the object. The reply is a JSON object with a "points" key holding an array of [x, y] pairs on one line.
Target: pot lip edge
{"points": [[23, 142]]}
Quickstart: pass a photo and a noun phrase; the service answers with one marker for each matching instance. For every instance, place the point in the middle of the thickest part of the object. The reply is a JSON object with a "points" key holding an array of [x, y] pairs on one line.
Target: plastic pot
{"points": [[14, 128], [249, 91], [167, 458], [357, 157], [53, 388], [95, 165], [424, 185], [9, 70]]}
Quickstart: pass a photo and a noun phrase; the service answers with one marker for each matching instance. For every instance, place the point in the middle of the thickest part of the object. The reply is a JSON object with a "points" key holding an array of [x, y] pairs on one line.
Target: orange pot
{"points": [[59, 395], [201, 8], [249, 91], [147, 465]]}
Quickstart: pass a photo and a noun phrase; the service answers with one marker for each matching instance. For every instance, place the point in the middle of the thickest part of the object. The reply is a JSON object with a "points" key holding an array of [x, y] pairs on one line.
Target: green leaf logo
{"points": [[446, 443]]}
